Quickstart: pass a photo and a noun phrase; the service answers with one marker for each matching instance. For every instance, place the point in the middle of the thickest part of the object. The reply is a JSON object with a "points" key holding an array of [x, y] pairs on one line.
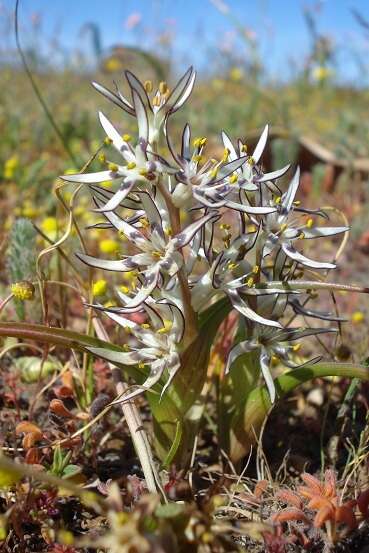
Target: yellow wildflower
{"points": [[10, 167], [99, 287], [358, 317], [23, 290], [108, 246]]}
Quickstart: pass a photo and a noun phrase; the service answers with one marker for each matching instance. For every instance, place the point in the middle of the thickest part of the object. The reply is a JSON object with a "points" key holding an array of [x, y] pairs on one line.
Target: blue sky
{"points": [[199, 26]]}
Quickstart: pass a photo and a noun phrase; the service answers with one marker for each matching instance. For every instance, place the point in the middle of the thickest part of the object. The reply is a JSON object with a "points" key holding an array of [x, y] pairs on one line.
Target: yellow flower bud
{"points": [[23, 290]]}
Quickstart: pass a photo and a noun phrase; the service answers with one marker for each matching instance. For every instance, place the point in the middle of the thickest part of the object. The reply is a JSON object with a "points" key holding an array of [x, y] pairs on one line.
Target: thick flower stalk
{"points": [[198, 229]]}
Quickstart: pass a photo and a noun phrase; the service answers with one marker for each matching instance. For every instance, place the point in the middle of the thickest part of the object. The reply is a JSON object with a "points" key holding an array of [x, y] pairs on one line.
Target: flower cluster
{"points": [[197, 229]]}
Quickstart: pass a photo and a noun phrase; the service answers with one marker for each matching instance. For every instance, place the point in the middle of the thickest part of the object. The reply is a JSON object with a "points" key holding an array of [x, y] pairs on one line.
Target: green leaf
{"points": [[64, 338], [250, 416]]}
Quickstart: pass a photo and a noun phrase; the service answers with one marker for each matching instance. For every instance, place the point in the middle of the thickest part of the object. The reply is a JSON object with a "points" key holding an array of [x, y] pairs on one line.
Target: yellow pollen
{"points": [[141, 365], [144, 222], [233, 178], [113, 167], [283, 227], [107, 141], [244, 148], [198, 159], [148, 86], [131, 165], [296, 348], [127, 137], [309, 223], [255, 269], [167, 326], [225, 154], [278, 200], [145, 326], [251, 161], [102, 158], [225, 226], [232, 265], [163, 87], [124, 289], [198, 142], [126, 347], [250, 282]]}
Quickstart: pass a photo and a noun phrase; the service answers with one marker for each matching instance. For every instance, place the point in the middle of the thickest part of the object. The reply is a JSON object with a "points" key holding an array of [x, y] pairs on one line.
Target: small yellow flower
{"points": [[99, 287], [23, 290], [113, 64], [108, 246], [10, 167], [236, 74], [321, 73], [358, 317], [49, 225]]}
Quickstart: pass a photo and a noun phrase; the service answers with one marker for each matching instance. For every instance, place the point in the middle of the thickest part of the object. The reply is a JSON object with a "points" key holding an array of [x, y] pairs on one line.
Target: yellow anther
{"points": [[113, 167], [107, 141], [297, 203], [156, 101], [225, 226], [110, 303], [141, 365], [251, 161], [145, 326], [244, 148], [309, 223], [250, 282], [124, 289], [232, 265], [233, 178], [278, 200], [225, 154], [302, 236], [102, 158], [157, 255], [127, 137], [23, 290], [251, 228], [296, 347], [168, 231], [167, 326], [126, 347], [131, 165], [198, 159], [144, 222], [213, 173], [163, 87], [143, 172], [148, 86], [127, 329], [283, 227], [255, 269], [198, 142]]}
